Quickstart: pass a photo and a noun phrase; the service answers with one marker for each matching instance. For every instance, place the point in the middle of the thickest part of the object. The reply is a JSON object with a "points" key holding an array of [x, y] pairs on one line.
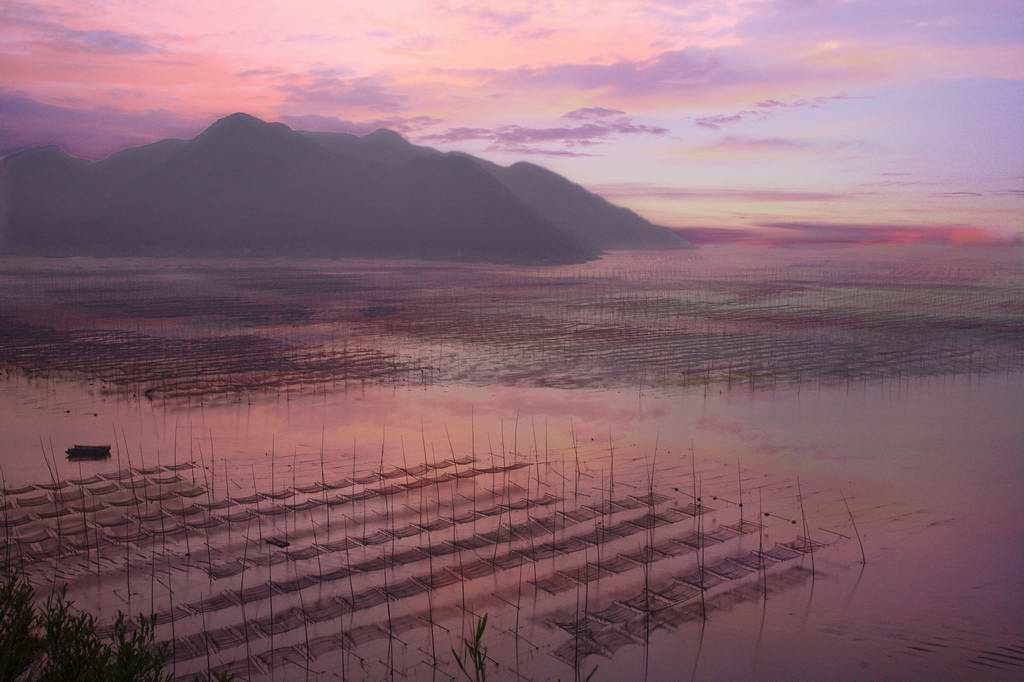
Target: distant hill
{"points": [[244, 186]]}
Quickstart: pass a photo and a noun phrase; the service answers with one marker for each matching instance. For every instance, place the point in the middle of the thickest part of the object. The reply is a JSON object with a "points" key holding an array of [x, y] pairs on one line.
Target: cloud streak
{"points": [[742, 145], [599, 125], [833, 235], [765, 109], [591, 113], [649, 191]]}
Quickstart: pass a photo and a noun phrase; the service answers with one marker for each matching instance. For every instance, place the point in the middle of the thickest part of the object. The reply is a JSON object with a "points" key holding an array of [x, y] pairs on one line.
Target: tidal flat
{"points": [[720, 463]]}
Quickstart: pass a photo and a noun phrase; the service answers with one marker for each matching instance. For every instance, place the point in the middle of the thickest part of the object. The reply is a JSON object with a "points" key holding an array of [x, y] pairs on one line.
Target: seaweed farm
{"points": [[689, 466], [312, 568], [424, 537], [207, 329]]}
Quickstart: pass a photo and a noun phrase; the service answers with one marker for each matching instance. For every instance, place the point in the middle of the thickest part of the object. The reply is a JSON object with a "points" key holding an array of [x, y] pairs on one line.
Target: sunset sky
{"points": [[798, 114]]}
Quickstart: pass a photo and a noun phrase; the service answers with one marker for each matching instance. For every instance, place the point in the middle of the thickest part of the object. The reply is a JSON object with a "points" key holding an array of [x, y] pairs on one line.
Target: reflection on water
{"points": [[227, 330], [930, 468], [647, 464]]}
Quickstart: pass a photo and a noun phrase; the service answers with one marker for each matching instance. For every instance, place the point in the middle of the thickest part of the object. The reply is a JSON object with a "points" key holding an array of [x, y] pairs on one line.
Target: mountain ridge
{"points": [[244, 186]]}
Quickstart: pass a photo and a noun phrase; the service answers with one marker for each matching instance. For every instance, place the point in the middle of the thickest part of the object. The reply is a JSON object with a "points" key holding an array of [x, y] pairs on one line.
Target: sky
{"points": [[832, 116]]}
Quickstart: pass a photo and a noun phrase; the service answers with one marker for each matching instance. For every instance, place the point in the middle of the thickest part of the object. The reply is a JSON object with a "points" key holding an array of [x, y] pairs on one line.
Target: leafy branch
{"points": [[474, 654]]}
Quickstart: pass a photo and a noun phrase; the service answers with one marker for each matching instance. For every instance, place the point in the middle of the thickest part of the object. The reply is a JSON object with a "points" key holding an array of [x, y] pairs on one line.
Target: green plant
{"points": [[53, 642], [474, 654], [18, 622]]}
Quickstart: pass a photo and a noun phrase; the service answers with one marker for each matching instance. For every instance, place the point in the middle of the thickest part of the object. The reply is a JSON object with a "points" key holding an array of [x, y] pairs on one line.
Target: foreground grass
{"points": [[52, 641]]}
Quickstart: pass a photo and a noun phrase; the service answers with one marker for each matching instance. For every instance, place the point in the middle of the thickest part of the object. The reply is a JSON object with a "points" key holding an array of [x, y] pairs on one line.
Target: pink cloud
{"points": [[643, 190], [98, 76], [807, 234], [846, 233]]}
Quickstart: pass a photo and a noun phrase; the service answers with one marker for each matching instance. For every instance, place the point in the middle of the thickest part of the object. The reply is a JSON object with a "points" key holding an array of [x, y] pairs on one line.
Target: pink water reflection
{"points": [[931, 467]]}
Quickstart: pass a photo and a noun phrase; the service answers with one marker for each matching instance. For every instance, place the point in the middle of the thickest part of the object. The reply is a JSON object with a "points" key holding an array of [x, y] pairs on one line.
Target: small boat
{"points": [[88, 452]]}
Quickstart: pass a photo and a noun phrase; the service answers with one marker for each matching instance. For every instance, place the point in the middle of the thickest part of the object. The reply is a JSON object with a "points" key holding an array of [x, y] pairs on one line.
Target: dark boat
{"points": [[88, 452]]}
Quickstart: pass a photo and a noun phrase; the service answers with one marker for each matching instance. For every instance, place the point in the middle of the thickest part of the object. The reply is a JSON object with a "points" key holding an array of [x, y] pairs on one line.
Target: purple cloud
{"points": [[943, 22], [402, 124], [766, 108], [807, 102], [962, 194], [48, 24], [537, 34], [324, 89], [899, 183], [106, 42], [255, 73], [90, 133], [719, 120], [589, 113], [522, 139], [691, 71], [671, 70], [461, 135]]}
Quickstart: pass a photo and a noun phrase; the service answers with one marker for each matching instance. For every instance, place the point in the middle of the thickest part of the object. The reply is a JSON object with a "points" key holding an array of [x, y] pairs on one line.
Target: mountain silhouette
{"points": [[245, 186]]}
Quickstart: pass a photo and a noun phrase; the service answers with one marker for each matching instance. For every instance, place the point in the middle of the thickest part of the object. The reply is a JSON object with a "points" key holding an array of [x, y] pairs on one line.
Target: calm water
{"points": [[931, 467]]}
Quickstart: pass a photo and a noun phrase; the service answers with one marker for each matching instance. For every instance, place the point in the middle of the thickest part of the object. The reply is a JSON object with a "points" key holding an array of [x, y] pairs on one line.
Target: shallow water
{"points": [[886, 377], [212, 329], [930, 468]]}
